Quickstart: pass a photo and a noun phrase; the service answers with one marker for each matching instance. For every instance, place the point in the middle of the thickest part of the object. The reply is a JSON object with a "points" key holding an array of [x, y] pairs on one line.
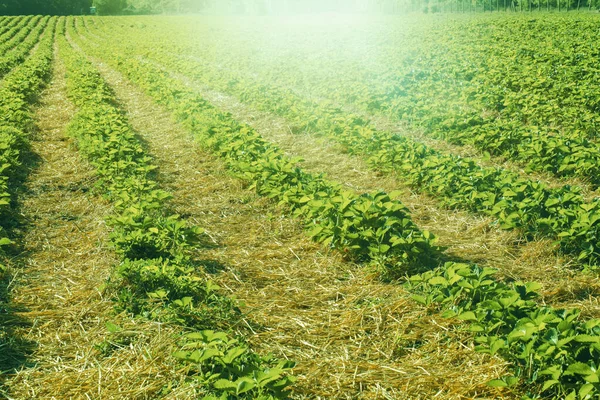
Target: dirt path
{"points": [[352, 336], [56, 291]]}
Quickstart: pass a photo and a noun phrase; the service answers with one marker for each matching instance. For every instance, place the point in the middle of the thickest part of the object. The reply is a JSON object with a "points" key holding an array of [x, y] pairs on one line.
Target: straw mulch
{"points": [[468, 237], [353, 337], [59, 345]]}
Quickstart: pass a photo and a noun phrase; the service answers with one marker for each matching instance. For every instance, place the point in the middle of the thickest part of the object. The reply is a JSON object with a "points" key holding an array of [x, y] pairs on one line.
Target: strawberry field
{"points": [[400, 207]]}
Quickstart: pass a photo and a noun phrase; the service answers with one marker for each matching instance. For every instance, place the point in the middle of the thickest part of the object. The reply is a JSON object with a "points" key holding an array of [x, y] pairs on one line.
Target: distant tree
{"points": [[67, 7], [9, 7], [48, 7], [18, 7], [110, 7]]}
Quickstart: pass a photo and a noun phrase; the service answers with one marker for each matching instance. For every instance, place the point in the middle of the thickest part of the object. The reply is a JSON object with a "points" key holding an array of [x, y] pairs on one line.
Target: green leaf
{"points": [[585, 390], [467, 316], [113, 328], [181, 355], [267, 376], [224, 384], [420, 299], [200, 356], [580, 368], [511, 380], [438, 280], [548, 384], [571, 396], [232, 354], [587, 339], [476, 328], [551, 202], [497, 383], [497, 345], [244, 385]]}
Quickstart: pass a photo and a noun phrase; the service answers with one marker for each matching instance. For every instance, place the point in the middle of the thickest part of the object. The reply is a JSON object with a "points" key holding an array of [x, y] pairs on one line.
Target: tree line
{"points": [[267, 7], [46, 7]]}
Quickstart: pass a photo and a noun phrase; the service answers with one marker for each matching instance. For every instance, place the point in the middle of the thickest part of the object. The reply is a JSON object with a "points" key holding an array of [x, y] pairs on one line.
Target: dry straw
{"points": [[353, 336]]}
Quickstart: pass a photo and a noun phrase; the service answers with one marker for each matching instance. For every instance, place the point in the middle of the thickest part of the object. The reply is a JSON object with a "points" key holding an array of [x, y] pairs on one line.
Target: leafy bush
{"points": [[225, 369], [550, 348], [172, 291]]}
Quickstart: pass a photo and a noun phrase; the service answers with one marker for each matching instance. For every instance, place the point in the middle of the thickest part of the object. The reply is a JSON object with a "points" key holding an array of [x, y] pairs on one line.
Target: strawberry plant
{"points": [[157, 277], [516, 203], [226, 369], [552, 350]]}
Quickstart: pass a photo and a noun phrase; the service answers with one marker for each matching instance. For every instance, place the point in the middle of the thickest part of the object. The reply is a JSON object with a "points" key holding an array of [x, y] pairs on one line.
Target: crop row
{"points": [[8, 24], [157, 277], [369, 227], [525, 99], [517, 203], [551, 350], [17, 91], [19, 33], [12, 28], [18, 54]]}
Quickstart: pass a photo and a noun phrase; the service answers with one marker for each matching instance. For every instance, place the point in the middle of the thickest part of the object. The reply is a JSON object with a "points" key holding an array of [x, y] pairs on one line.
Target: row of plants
{"points": [[370, 227], [529, 206], [18, 90], [158, 277], [12, 26], [7, 25], [21, 50], [519, 96], [553, 352], [18, 33]]}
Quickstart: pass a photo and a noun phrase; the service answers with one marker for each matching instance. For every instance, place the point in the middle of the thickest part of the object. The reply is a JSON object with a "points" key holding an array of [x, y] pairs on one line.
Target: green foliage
{"points": [[157, 278], [46, 7], [17, 90], [108, 7], [225, 368], [529, 206], [141, 230], [18, 41], [137, 235], [369, 228], [552, 352], [550, 348], [172, 291], [23, 81]]}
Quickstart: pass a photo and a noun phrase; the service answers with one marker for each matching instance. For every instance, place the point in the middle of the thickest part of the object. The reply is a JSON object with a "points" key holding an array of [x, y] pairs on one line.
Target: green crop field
{"points": [[317, 206]]}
